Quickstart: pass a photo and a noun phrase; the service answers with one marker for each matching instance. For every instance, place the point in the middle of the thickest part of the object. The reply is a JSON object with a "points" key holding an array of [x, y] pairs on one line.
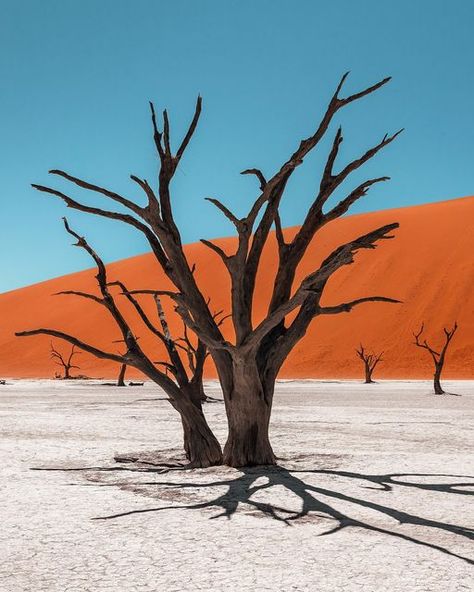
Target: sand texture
{"points": [[372, 493]]}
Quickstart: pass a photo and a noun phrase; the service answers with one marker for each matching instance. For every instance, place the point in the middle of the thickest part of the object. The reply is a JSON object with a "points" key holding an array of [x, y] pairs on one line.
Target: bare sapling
{"points": [[370, 361], [438, 357], [64, 360]]}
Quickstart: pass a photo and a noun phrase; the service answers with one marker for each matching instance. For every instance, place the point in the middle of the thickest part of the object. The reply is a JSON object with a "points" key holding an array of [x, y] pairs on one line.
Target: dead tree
{"points": [[63, 361], [121, 376], [370, 361], [438, 357], [201, 446], [248, 367]]}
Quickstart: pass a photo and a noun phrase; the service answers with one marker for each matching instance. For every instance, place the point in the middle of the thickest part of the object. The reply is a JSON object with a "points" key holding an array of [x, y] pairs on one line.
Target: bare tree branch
{"points": [[315, 281], [98, 353], [225, 210], [258, 173], [91, 187], [348, 306], [191, 129], [126, 218], [210, 245]]}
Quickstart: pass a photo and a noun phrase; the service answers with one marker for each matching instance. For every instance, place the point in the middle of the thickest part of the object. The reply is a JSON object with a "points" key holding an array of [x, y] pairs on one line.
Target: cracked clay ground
{"points": [[373, 493]]}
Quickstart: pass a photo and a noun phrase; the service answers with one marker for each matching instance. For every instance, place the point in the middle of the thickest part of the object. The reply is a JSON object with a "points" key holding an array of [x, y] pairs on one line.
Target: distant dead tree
{"points": [[184, 387], [248, 366], [438, 357], [370, 361], [64, 361]]}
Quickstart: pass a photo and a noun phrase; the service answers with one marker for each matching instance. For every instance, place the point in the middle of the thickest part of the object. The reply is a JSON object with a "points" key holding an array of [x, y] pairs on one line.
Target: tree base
{"points": [[202, 449], [248, 448]]}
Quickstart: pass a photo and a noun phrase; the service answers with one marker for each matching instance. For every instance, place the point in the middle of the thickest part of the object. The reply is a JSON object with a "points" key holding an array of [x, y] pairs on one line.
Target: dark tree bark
{"points": [[370, 361], [248, 367], [121, 376], [438, 357], [64, 362], [201, 447]]}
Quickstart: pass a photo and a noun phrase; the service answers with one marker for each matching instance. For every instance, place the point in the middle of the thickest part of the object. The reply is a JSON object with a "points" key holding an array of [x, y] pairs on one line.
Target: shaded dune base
{"points": [[429, 266]]}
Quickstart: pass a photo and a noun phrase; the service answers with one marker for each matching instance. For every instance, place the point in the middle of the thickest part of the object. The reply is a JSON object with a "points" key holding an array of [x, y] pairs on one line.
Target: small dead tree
{"points": [[184, 391], [438, 357], [370, 361], [248, 367], [64, 361]]}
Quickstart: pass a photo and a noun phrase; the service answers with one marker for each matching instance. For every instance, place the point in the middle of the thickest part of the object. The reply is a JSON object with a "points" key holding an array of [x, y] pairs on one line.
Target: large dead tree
{"points": [[65, 361], [438, 357], [370, 361], [248, 366], [183, 387]]}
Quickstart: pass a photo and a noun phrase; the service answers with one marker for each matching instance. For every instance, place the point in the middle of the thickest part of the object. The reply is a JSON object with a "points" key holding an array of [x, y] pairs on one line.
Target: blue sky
{"points": [[75, 78]]}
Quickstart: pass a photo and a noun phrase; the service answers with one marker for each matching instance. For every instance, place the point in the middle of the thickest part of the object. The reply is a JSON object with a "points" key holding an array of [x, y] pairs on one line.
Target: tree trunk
{"points": [[368, 375], [121, 378], [200, 445], [248, 414], [67, 376], [202, 394], [437, 384]]}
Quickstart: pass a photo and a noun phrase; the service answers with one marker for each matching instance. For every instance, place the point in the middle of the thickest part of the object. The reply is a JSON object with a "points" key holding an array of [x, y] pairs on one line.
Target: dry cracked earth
{"points": [[373, 492]]}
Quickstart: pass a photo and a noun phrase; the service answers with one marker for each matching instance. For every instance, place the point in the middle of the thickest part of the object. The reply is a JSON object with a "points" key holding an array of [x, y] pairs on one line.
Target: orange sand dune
{"points": [[429, 266]]}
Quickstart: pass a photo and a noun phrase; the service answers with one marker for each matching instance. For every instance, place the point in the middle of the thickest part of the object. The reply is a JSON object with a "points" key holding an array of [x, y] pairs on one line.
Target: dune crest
{"points": [[429, 266]]}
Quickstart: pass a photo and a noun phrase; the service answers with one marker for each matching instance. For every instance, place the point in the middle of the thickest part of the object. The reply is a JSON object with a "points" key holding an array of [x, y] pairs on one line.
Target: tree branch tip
{"points": [[344, 77], [397, 133]]}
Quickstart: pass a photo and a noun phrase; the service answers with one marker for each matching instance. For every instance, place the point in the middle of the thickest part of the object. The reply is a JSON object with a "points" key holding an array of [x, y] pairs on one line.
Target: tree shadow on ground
{"points": [[317, 501]]}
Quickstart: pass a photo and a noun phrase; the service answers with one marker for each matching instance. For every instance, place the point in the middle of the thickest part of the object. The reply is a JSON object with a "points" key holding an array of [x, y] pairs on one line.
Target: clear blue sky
{"points": [[75, 78]]}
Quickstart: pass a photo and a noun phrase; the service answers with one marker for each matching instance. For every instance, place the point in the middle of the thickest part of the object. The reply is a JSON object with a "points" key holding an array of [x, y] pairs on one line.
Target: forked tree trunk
{"points": [[200, 445], [438, 389], [67, 374], [248, 414]]}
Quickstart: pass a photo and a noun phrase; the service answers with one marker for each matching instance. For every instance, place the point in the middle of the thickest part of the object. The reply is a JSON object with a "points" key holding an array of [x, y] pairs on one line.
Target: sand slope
{"points": [[429, 266]]}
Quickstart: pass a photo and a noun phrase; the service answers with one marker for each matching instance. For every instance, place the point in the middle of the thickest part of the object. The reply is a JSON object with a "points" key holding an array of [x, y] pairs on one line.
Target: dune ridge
{"points": [[429, 266]]}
